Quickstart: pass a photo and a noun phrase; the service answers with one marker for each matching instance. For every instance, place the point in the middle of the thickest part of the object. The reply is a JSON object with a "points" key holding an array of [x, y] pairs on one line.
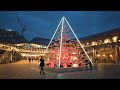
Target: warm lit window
{"points": [[110, 55], [107, 41], [94, 43], [87, 44], [114, 39], [100, 42]]}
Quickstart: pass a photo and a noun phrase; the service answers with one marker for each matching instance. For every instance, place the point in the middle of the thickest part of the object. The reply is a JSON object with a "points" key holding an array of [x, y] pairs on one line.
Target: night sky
{"points": [[44, 23]]}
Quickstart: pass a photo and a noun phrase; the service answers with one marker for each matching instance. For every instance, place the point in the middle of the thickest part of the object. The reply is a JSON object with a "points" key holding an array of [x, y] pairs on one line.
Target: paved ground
{"points": [[25, 70]]}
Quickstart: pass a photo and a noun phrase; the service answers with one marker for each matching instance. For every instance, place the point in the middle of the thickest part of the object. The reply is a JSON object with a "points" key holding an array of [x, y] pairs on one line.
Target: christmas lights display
{"points": [[64, 50]]}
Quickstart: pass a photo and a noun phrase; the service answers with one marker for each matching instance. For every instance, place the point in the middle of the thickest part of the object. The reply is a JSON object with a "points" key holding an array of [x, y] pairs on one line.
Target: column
{"points": [[94, 53], [117, 54]]}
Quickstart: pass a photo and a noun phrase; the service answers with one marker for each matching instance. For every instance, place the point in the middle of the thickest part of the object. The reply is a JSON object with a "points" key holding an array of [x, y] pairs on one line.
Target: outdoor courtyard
{"points": [[25, 70]]}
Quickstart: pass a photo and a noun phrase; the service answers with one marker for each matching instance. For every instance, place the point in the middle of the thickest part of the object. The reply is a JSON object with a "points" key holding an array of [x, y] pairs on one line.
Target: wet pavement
{"points": [[25, 70]]}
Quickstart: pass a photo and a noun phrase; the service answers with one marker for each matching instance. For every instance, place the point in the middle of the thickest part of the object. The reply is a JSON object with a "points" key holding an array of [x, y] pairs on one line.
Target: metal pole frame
{"points": [[79, 42], [53, 36]]}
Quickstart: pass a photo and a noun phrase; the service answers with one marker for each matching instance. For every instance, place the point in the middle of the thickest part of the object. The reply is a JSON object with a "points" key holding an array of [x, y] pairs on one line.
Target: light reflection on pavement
{"points": [[25, 70]]}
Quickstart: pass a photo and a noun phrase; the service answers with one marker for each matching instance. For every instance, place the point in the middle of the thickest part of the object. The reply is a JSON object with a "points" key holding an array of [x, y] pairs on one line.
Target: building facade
{"points": [[8, 32], [103, 47]]}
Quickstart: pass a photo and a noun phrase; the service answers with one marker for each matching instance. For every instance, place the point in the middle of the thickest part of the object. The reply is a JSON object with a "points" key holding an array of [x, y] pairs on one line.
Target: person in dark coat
{"points": [[42, 64], [91, 66], [29, 60]]}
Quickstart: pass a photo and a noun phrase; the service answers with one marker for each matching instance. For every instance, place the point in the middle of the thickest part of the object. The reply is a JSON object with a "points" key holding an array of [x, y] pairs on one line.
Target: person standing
{"points": [[29, 60], [91, 66], [42, 64]]}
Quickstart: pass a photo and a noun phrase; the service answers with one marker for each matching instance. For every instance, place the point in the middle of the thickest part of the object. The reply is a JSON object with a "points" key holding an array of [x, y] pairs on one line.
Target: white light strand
{"points": [[61, 42], [78, 41], [52, 37]]}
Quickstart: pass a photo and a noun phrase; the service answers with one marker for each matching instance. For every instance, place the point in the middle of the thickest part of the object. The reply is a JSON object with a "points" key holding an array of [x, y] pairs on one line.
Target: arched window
{"points": [[114, 39], [107, 41], [100, 42], [94, 43]]}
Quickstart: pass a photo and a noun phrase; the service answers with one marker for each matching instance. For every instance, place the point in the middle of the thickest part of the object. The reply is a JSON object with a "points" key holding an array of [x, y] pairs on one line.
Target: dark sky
{"points": [[44, 23]]}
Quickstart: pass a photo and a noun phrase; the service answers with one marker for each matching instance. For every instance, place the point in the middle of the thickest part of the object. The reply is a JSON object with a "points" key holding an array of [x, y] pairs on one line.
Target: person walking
{"points": [[42, 64]]}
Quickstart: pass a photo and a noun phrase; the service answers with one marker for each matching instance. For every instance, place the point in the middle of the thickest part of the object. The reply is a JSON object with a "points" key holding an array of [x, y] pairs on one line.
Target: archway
{"points": [[106, 53]]}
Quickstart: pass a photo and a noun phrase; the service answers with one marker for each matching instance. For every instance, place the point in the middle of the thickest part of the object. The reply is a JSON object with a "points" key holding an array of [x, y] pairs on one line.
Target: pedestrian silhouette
{"points": [[91, 66], [32, 59], [42, 64], [105, 61], [29, 60]]}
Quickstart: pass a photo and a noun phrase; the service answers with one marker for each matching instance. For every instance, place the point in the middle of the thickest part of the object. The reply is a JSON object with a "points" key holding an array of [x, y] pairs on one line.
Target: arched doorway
{"points": [[106, 53]]}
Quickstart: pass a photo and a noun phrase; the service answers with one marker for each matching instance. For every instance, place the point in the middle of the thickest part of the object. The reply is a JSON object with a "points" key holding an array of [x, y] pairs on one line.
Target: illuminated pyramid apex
{"points": [[63, 17]]}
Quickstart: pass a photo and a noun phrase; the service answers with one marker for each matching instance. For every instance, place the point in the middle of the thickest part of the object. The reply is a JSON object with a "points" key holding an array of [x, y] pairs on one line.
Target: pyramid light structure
{"points": [[63, 46]]}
